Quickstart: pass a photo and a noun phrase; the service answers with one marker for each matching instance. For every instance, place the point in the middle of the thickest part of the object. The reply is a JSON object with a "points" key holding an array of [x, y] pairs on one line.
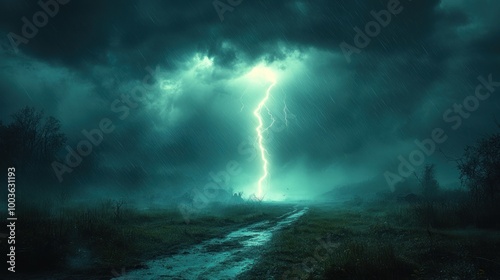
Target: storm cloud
{"points": [[338, 119]]}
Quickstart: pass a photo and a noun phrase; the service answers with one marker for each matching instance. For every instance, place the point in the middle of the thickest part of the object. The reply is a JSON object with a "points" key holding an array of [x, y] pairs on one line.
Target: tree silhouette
{"points": [[31, 141], [430, 185], [480, 173]]}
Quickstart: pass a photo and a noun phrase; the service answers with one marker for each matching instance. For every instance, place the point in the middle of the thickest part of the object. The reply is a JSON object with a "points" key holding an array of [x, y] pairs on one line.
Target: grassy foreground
{"points": [[377, 241], [101, 240], [347, 241]]}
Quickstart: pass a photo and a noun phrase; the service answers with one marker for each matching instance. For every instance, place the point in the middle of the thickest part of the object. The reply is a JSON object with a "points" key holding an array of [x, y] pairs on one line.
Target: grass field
{"points": [[374, 240], [377, 241], [91, 241]]}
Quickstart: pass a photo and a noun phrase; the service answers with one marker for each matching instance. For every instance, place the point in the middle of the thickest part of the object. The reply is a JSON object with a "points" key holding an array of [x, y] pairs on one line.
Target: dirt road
{"points": [[219, 258]]}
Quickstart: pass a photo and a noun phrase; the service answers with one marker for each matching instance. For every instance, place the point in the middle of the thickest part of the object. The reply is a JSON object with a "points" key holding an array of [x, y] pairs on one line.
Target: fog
{"points": [[178, 105]]}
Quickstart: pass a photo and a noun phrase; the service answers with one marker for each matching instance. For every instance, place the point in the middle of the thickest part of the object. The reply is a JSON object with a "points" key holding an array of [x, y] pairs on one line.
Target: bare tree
{"points": [[30, 141], [36, 138], [117, 209], [430, 185], [480, 171]]}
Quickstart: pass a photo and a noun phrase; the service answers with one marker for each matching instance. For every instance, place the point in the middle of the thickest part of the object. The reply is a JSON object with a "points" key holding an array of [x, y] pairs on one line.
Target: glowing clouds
{"points": [[261, 72]]}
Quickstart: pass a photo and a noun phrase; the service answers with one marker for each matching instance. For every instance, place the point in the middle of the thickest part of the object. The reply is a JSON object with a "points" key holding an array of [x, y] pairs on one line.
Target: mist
{"points": [[201, 107]]}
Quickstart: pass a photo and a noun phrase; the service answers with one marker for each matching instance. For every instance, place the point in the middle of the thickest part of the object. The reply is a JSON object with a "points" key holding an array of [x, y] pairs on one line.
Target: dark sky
{"points": [[338, 120]]}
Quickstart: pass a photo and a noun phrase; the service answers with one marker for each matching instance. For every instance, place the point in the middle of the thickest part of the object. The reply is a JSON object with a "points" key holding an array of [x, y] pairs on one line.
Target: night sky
{"points": [[344, 107]]}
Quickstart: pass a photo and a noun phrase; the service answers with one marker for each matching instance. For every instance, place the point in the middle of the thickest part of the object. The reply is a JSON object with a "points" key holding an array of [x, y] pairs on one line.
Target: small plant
{"points": [[430, 186], [255, 198], [117, 209]]}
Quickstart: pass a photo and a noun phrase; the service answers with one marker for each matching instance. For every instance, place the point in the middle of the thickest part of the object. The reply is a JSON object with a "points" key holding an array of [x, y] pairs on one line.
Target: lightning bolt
{"points": [[259, 129], [285, 111]]}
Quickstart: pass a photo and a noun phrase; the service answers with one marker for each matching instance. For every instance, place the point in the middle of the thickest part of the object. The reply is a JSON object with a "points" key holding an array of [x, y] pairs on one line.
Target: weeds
{"points": [[112, 234], [363, 260]]}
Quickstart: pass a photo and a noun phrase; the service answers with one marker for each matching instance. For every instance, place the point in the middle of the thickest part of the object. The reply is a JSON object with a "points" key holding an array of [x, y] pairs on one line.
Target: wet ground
{"points": [[218, 258]]}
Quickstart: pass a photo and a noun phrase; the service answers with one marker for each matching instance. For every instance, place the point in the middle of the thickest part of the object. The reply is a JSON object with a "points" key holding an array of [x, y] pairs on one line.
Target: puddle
{"points": [[218, 258]]}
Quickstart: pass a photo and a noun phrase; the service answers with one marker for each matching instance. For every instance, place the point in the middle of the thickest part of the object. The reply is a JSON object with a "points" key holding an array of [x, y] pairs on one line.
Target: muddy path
{"points": [[218, 258]]}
